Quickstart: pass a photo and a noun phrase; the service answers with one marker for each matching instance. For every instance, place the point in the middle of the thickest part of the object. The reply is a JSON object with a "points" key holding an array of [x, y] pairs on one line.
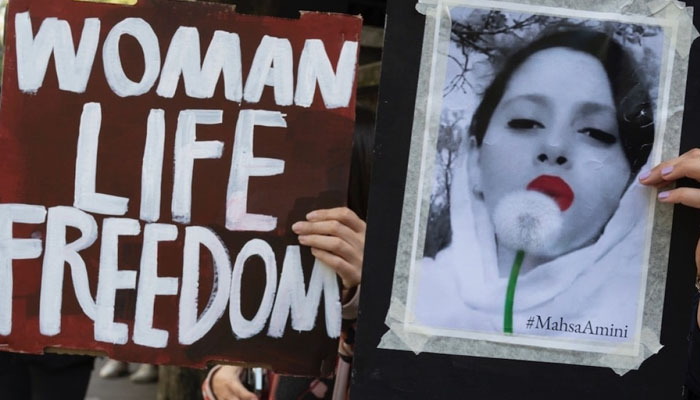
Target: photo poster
{"points": [[155, 157], [525, 233]]}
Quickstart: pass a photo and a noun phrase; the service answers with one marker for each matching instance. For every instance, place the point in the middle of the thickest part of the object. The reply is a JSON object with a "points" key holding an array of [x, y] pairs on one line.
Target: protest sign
{"points": [[154, 159], [514, 252], [441, 60]]}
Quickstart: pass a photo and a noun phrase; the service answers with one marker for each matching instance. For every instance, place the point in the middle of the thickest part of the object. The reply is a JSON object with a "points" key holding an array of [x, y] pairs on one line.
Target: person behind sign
{"points": [[553, 150], [44, 377], [336, 237]]}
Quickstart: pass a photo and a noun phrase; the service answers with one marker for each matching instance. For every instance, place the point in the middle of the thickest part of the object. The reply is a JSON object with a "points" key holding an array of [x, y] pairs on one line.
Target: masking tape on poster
{"points": [[428, 105], [662, 9]]}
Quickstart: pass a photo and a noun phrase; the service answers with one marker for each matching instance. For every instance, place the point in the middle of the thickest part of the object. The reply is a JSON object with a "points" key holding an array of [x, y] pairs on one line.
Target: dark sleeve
{"points": [[692, 379]]}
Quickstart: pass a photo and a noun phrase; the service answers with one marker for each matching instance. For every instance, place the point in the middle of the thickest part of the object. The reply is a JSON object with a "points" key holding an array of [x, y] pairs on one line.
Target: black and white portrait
{"points": [[537, 225]]}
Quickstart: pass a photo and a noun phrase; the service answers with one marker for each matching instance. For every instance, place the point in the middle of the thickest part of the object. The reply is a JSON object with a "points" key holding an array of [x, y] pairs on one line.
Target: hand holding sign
{"points": [[336, 238], [226, 384], [668, 172]]}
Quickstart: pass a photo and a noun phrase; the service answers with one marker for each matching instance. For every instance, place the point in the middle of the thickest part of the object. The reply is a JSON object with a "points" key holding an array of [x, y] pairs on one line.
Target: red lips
{"points": [[554, 187]]}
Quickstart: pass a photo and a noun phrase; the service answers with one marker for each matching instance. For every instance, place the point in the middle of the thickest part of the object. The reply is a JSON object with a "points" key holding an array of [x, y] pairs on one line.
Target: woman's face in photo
{"points": [[555, 131]]}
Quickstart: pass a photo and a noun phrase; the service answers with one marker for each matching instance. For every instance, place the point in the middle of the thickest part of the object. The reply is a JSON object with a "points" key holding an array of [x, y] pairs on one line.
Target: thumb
{"points": [[241, 392]]}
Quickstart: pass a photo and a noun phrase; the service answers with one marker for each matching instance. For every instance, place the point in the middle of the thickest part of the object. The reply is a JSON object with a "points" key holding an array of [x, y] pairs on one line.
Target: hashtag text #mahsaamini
{"points": [[587, 328]]}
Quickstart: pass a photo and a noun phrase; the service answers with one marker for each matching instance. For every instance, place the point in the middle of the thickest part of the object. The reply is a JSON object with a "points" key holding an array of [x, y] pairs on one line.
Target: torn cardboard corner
{"points": [[675, 21]]}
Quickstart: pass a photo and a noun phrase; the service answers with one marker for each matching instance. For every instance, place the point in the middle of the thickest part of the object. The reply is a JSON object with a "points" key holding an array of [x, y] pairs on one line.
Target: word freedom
{"points": [[272, 65]]}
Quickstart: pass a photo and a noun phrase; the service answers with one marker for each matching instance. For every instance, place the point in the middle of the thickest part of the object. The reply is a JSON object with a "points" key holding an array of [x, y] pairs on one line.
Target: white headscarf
{"points": [[461, 288]]}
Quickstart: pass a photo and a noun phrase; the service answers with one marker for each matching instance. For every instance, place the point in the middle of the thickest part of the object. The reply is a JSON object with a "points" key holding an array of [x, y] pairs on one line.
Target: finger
{"points": [[240, 392], [686, 196], [326, 227], [688, 166], [332, 244], [685, 166], [342, 214], [655, 176], [349, 274], [329, 228]]}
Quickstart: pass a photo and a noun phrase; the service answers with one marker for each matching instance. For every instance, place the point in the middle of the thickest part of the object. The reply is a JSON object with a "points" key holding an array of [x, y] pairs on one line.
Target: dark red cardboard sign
{"points": [[154, 159]]}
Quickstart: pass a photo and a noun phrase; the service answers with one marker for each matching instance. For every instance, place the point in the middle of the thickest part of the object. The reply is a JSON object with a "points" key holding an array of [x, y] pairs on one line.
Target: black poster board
{"points": [[388, 374]]}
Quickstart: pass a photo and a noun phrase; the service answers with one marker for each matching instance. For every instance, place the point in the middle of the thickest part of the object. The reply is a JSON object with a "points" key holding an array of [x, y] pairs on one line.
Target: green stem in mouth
{"points": [[510, 292]]}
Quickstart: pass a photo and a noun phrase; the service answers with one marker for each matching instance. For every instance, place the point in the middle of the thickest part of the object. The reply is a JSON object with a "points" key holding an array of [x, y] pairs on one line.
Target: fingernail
{"points": [[667, 170], [296, 227], [302, 239], [664, 195], [311, 215], [644, 175]]}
